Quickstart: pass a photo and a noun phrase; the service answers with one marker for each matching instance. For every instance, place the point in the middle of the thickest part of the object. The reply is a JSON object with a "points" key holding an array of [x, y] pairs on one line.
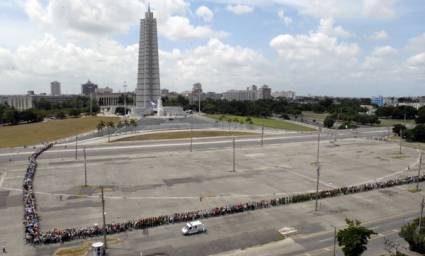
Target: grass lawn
{"points": [[266, 122], [317, 116], [35, 133], [392, 122], [184, 135]]}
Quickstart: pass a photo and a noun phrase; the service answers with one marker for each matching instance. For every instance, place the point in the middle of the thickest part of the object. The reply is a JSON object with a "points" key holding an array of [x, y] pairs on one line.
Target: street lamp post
{"points": [[422, 212], [76, 147], [234, 155], [262, 135], [419, 171], [103, 218], [85, 167], [125, 99]]}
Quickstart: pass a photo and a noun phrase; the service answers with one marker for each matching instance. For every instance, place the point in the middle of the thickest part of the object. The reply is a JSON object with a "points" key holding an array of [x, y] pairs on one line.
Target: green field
{"points": [[266, 122], [392, 122], [317, 116], [35, 133], [184, 135]]}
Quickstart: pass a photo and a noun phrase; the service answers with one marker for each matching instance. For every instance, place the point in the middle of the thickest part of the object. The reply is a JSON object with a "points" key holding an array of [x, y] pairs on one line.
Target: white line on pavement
{"points": [[3, 176]]}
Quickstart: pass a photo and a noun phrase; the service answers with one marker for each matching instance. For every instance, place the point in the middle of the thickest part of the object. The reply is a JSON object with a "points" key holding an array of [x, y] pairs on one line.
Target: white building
{"points": [[55, 88], [285, 94]]}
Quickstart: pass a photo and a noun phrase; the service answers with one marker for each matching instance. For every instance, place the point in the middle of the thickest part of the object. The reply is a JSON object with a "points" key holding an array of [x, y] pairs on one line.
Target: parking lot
{"points": [[162, 183]]}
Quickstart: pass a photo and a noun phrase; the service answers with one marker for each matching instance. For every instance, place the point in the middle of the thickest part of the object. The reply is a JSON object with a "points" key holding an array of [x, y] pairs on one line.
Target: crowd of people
{"points": [[35, 236], [31, 217]]}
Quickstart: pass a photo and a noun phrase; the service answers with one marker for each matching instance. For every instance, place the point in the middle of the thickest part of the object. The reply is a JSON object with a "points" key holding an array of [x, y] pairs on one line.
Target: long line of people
{"points": [[58, 235], [33, 234], [31, 218]]}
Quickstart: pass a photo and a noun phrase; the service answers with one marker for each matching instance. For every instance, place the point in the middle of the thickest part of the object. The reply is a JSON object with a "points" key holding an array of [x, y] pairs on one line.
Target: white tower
{"points": [[148, 83]]}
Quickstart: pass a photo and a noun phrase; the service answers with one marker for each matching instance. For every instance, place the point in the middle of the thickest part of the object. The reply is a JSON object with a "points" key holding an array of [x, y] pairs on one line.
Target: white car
{"points": [[194, 227]]}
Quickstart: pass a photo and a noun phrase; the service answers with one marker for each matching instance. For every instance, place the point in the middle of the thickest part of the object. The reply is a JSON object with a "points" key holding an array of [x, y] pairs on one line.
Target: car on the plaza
{"points": [[194, 227]]}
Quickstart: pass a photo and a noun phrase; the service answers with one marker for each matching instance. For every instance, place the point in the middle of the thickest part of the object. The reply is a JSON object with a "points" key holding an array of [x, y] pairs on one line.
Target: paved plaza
{"points": [[139, 185]]}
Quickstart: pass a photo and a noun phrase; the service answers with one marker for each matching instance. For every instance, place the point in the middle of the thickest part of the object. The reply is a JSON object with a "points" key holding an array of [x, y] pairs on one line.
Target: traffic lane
{"points": [[316, 243], [105, 150]]}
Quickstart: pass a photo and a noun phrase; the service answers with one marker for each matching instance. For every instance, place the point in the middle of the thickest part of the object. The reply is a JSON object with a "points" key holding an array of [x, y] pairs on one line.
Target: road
{"points": [[184, 144], [322, 243]]}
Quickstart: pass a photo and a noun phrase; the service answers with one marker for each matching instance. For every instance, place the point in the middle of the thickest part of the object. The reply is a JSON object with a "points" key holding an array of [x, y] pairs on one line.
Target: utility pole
{"points": [[334, 241], [76, 147], [103, 217], [234, 155], [262, 135], [85, 167], [419, 171], [401, 139], [317, 188], [422, 212], [199, 101], [125, 99], [191, 138], [91, 103], [317, 171], [318, 147]]}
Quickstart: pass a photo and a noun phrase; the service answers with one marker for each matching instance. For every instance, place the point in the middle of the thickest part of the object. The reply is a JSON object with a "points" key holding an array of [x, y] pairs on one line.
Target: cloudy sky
{"points": [[318, 47]]}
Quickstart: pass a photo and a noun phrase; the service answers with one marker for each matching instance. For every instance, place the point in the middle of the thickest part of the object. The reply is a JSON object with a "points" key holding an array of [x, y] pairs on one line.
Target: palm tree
{"points": [[100, 126], [110, 124], [126, 124], [133, 123]]}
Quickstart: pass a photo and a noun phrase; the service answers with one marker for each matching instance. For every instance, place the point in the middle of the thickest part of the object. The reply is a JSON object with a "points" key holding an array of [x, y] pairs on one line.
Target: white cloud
{"points": [[417, 44], [327, 26], [417, 61], [329, 8], [379, 35], [93, 18], [217, 65], [178, 27], [7, 62], [379, 58], [205, 13], [239, 8], [320, 45], [284, 18], [379, 8]]}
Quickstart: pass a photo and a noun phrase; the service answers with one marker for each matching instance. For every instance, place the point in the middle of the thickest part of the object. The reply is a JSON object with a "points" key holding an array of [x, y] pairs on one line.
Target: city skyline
{"points": [[348, 48]]}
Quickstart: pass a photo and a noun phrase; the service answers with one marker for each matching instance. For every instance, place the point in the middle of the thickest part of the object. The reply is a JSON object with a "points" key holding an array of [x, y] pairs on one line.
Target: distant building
{"points": [[379, 101], [391, 101], [250, 94], [264, 93], [105, 90], [88, 88], [164, 92], [416, 105], [213, 95], [284, 94], [24, 102], [30, 93], [55, 88], [197, 88]]}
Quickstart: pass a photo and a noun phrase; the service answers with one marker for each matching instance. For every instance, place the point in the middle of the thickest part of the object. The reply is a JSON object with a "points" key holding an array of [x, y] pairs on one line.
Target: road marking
{"points": [[3, 176], [256, 139], [325, 240]]}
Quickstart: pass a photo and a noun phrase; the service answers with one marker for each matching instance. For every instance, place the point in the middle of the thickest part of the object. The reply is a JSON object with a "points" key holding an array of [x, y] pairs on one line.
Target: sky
{"points": [[355, 48]]}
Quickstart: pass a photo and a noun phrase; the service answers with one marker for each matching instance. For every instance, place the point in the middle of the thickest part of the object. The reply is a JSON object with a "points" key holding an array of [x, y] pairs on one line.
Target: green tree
{"points": [[133, 123], [413, 236], [75, 112], [420, 119], [60, 115], [416, 134], [354, 238], [398, 128], [100, 126], [11, 116], [329, 122]]}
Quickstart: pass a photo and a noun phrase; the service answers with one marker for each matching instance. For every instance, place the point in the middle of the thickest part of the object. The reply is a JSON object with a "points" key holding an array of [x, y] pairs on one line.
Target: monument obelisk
{"points": [[148, 83]]}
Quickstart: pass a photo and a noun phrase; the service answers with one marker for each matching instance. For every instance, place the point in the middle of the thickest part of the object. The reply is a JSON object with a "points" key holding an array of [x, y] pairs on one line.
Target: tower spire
{"points": [[149, 6]]}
